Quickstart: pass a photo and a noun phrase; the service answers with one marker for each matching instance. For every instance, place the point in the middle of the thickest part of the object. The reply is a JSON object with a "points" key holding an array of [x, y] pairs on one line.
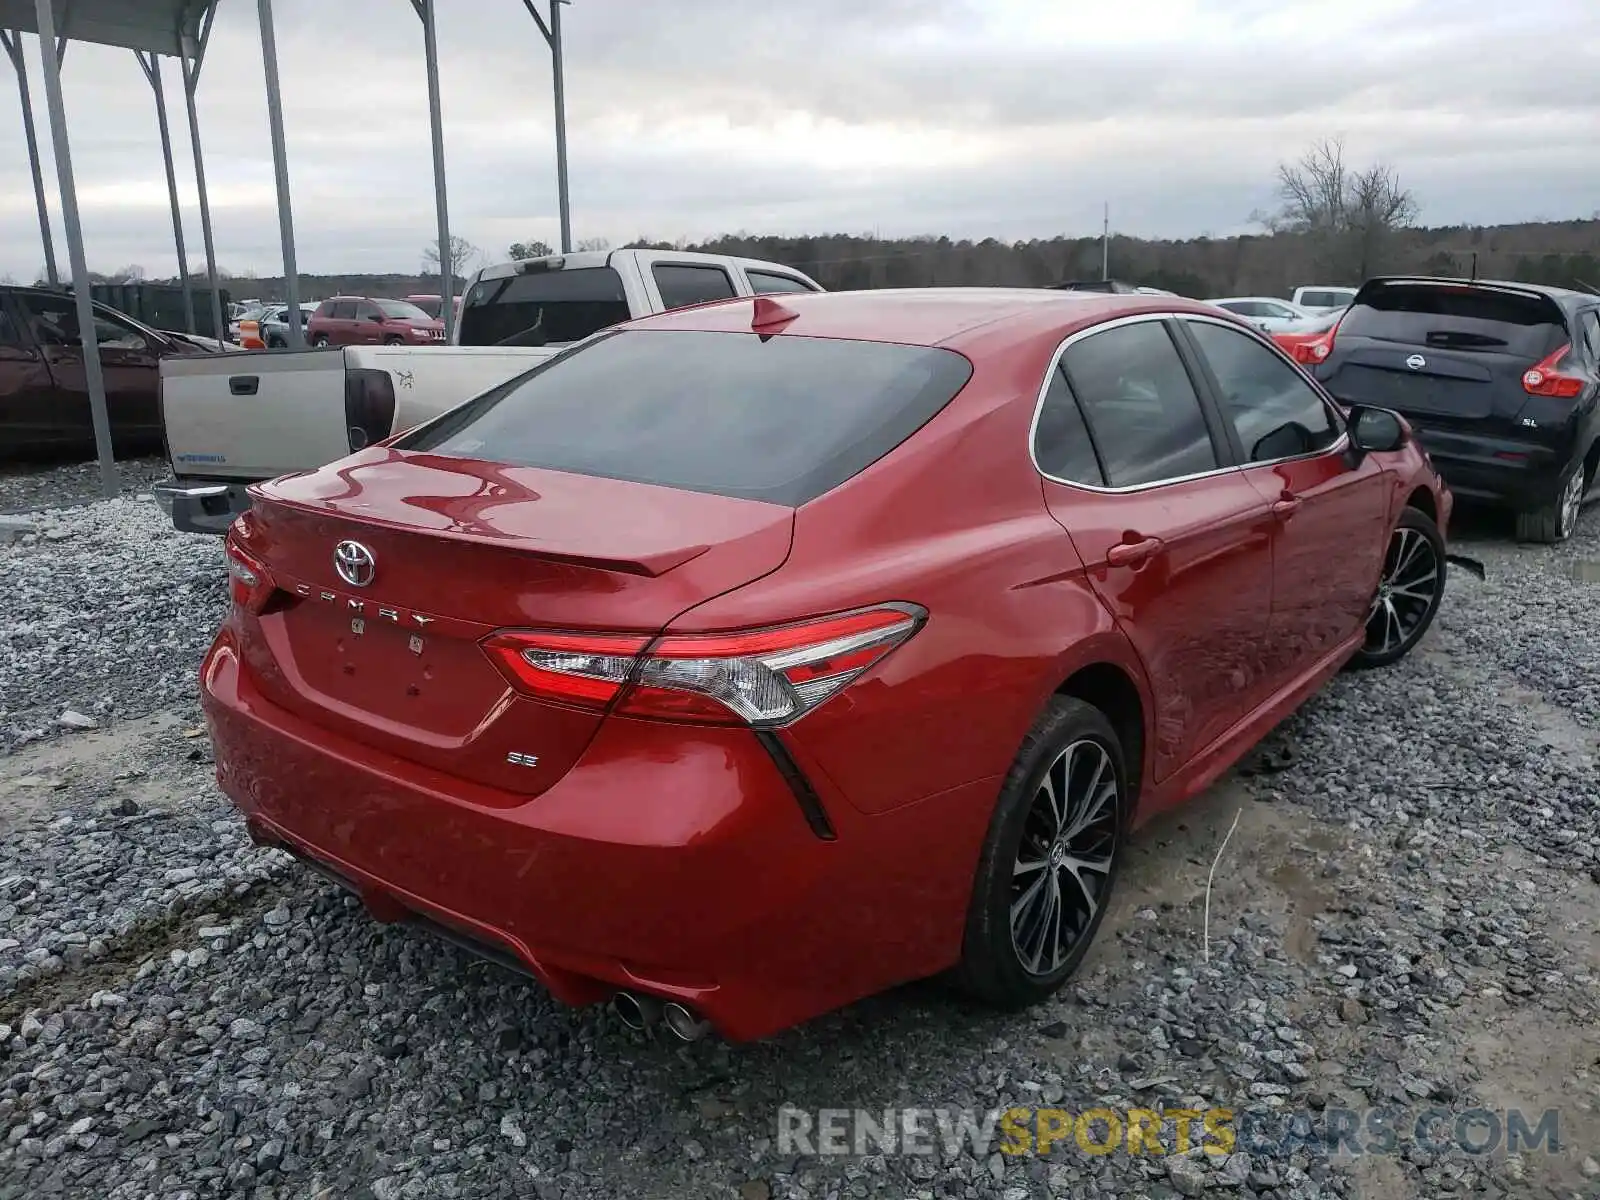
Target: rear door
{"points": [[52, 324], [129, 362], [1177, 542], [1330, 518]]}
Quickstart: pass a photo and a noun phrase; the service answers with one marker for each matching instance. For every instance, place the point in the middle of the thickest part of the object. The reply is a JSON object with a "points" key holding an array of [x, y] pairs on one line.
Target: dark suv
{"points": [[1501, 382]]}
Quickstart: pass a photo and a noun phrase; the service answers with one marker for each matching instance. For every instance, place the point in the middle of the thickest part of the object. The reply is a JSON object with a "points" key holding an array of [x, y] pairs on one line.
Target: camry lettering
{"points": [[390, 613]]}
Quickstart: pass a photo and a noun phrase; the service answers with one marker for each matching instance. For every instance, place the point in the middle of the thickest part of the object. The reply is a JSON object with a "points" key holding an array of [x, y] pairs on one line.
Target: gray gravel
{"points": [[1404, 915]]}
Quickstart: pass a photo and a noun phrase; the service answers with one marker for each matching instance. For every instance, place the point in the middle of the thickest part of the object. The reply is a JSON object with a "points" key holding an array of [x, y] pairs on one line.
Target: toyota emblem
{"points": [[1416, 362], [355, 563]]}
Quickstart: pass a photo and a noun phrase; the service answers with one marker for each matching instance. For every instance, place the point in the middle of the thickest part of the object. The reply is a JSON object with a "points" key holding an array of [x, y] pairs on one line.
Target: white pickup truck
{"points": [[239, 419]]}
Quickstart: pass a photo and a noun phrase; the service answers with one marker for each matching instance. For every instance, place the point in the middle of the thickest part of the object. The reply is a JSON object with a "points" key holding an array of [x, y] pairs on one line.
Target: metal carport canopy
{"points": [[165, 27], [159, 26]]}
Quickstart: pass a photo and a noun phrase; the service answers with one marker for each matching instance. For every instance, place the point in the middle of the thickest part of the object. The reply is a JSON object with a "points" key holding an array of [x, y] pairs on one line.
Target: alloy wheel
{"points": [[1571, 503], [1406, 593], [1063, 866]]}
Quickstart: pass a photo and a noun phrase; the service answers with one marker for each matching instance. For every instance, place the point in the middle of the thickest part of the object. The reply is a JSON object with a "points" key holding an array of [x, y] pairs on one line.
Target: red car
{"points": [[755, 657], [362, 321]]}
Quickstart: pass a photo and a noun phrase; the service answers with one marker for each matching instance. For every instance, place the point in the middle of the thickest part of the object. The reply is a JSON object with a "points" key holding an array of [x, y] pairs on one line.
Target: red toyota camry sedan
{"points": [[746, 660]]}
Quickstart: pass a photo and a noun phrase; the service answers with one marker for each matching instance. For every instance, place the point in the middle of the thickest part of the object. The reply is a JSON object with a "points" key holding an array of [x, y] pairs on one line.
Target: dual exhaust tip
{"points": [[639, 1012]]}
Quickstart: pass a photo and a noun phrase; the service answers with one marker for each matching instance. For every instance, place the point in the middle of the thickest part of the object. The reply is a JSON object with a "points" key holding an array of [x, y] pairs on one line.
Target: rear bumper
{"points": [[1517, 475], [202, 506], [669, 862]]}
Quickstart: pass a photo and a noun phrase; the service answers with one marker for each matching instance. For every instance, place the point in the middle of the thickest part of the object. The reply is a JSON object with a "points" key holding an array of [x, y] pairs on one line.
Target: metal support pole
{"points": [[151, 65], [13, 44], [561, 126], [191, 64], [280, 166], [552, 37], [110, 484], [447, 273]]}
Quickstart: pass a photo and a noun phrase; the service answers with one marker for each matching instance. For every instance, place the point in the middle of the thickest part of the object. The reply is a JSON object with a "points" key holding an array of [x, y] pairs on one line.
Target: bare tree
{"points": [[463, 254], [1346, 215], [595, 243], [522, 250], [132, 273]]}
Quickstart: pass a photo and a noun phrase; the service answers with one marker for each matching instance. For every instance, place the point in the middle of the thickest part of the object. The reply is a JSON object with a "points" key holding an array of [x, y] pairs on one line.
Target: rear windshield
{"points": [[1458, 317], [429, 305], [780, 419], [1324, 299], [543, 308]]}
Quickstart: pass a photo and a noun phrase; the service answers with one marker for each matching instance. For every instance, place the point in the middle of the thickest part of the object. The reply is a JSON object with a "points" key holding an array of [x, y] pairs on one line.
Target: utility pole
{"points": [[1105, 244], [552, 37]]}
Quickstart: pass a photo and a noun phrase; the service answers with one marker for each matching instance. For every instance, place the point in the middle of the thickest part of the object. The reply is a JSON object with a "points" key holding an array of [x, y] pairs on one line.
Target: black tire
{"points": [[394, 341], [277, 343], [993, 968], [320, 342], [1556, 520], [1403, 609]]}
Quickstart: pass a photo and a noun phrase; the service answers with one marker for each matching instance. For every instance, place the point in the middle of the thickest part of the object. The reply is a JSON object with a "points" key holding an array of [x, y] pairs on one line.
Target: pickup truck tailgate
{"points": [[254, 416], [429, 380]]}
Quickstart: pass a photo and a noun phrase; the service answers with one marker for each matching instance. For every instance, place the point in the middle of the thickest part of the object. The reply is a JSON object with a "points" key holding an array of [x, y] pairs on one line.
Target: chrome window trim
{"points": [[1340, 445]]}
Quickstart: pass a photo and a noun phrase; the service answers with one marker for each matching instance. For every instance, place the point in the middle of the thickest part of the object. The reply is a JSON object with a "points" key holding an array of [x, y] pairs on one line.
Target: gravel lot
{"points": [[1407, 913]]}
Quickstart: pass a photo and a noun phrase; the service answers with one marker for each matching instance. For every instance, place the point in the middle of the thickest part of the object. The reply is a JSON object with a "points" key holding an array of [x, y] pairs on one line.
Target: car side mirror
{"points": [[1377, 430]]}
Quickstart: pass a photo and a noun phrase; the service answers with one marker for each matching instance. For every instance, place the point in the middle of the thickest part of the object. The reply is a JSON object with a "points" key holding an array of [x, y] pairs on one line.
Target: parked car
{"points": [[369, 321], [44, 390], [1500, 380], [1321, 298], [513, 317], [1267, 313], [433, 305], [754, 658], [275, 324], [246, 313]]}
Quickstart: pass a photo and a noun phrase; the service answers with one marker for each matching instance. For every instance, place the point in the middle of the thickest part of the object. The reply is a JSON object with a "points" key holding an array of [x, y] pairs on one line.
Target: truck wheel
{"points": [[320, 342], [1555, 522]]}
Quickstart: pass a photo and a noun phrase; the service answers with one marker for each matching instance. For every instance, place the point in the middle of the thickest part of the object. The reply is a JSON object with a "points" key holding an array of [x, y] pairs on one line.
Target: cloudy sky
{"points": [[972, 118]]}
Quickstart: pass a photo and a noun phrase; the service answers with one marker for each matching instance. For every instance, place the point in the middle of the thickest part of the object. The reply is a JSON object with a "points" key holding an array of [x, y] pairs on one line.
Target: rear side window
{"points": [[1061, 444], [345, 310], [683, 285], [543, 308], [766, 283], [1458, 317], [780, 419], [1276, 413], [1323, 299], [1140, 405]]}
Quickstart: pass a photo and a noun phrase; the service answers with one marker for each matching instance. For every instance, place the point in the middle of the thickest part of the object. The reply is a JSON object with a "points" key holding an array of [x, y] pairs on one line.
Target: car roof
{"points": [[953, 317]]}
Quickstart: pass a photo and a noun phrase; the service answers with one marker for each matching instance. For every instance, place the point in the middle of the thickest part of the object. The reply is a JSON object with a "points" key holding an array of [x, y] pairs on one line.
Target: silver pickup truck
{"points": [[241, 418]]}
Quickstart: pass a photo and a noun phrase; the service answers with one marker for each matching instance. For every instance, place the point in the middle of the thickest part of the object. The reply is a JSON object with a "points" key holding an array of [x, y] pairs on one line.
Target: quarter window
{"points": [[1140, 405], [683, 285], [1061, 443], [765, 283], [1275, 412]]}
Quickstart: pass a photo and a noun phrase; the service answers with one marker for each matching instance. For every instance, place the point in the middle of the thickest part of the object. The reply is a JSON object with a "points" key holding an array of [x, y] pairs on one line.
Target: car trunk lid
{"points": [[456, 549]]}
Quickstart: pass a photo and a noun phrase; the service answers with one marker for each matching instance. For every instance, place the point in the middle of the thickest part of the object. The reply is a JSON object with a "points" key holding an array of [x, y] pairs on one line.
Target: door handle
{"points": [[1285, 506], [1133, 553], [244, 385]]}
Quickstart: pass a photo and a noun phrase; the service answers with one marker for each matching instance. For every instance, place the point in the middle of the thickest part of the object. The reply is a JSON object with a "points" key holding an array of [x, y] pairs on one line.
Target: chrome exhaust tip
{"points": [[683, 1023], [636, 1012]]}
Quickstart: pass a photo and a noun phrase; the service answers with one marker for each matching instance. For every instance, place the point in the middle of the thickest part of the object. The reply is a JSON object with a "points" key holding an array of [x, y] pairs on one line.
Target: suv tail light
{"points": [[1547, 379], [368, 406], [249, 585], [762, 678]]}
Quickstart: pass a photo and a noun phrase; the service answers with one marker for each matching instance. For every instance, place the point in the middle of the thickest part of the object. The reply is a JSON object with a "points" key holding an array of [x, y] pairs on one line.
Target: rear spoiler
{"points": [[1466, 285]]}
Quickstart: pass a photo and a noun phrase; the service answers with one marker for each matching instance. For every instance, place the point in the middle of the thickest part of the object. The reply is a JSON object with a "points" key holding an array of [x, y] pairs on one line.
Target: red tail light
{"points": [[249, 585], [1317, 349], [764, 677], [1547, 378]]}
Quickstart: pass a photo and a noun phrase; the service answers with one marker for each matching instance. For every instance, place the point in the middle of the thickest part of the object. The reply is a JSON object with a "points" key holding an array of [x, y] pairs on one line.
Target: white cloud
{"points": [[1011, 118]]}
